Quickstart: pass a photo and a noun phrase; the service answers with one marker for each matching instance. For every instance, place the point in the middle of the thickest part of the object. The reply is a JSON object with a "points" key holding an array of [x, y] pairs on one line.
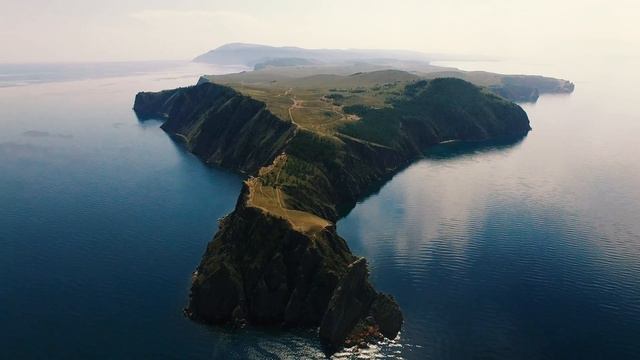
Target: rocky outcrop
{"points": [[277, 258], [527, 88], [260, 270], [519, 88], [357, 313]]}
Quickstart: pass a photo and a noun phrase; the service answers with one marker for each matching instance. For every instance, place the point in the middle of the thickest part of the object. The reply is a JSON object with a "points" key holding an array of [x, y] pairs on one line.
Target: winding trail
{"points": [[297, 104]]}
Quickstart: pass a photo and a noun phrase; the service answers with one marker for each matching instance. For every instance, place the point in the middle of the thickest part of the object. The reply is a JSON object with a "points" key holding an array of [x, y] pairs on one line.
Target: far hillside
{"points": [[320, 66]]}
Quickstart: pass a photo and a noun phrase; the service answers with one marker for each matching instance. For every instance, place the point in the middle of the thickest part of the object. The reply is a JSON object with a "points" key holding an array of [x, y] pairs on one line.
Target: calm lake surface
{"points": [[495, 251]]}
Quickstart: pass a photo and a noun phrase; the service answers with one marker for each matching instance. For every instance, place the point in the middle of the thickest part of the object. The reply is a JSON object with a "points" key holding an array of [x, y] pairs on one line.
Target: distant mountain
{"points": [[252, 54]]}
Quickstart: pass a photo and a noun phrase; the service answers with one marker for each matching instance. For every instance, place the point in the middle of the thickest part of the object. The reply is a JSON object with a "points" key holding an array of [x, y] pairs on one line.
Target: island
{"points": [[311, 144]]}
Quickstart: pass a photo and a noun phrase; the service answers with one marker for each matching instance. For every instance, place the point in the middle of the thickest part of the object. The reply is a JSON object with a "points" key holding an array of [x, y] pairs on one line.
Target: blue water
{"points": [[102, 220], [521, 251], [497, 251]]}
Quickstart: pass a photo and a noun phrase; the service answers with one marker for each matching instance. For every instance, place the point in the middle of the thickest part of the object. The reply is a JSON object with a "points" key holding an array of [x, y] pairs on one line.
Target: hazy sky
{"points": [[88, 30]]}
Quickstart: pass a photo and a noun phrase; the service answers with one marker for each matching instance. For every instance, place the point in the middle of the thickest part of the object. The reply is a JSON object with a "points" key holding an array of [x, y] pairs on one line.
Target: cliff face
{"points": [[357, 312], [219, 125], [277, 259], [261, 270]]}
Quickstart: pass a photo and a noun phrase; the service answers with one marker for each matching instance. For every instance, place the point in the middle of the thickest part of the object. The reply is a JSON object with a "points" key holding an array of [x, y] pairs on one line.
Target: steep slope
{"points": [[277, 259], [219, 125]]}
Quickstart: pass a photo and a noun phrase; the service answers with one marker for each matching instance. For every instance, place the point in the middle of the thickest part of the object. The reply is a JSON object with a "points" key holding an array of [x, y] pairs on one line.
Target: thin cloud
{"points": [[192, 15]]}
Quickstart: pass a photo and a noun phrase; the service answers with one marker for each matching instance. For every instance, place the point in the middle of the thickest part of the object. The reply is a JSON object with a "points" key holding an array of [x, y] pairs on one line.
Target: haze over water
{"points": [[509, 251]]}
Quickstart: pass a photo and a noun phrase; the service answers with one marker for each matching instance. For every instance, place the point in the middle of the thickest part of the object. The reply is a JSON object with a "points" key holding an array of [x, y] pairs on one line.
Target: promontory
{"points": [[311, 147]]}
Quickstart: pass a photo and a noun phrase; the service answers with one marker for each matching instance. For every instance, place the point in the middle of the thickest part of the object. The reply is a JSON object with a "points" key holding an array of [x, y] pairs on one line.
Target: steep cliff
{"points": [[277, 259], [219, 125], [262, 270]]}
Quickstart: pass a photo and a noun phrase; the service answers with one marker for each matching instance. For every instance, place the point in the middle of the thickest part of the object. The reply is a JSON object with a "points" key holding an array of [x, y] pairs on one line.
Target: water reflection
{"points": [[444, 151], [518, 250]]}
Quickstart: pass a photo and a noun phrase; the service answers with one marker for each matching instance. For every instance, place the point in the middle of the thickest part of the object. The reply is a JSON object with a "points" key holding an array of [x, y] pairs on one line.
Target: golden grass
{"points": [[304, 102], [273, 200]]}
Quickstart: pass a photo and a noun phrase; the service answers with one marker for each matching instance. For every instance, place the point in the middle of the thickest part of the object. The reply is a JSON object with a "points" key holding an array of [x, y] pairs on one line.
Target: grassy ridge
{"points": [[398, 117]]}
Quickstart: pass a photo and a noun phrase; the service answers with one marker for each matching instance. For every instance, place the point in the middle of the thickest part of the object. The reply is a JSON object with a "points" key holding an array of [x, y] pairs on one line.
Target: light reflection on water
{"points": [[525, 250]]}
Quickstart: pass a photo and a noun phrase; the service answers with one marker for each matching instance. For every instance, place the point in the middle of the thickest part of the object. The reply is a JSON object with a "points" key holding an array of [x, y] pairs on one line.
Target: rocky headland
{"points": [[310, 152]]}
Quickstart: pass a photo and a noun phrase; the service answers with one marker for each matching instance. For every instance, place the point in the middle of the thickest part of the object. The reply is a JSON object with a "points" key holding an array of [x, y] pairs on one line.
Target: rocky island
{"points": [[312, 146]]}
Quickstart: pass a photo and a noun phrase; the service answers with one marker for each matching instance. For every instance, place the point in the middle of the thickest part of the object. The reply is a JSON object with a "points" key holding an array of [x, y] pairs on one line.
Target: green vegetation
{"points": [[381, 126], [385, 111]]}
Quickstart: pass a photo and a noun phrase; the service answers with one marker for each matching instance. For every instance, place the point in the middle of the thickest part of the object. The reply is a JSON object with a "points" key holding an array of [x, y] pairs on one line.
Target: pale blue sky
{"points": [[74, 30]]}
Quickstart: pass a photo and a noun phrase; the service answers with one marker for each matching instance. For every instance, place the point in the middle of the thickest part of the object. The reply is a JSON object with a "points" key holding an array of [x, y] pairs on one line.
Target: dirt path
{"points": [[297, 104]]}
